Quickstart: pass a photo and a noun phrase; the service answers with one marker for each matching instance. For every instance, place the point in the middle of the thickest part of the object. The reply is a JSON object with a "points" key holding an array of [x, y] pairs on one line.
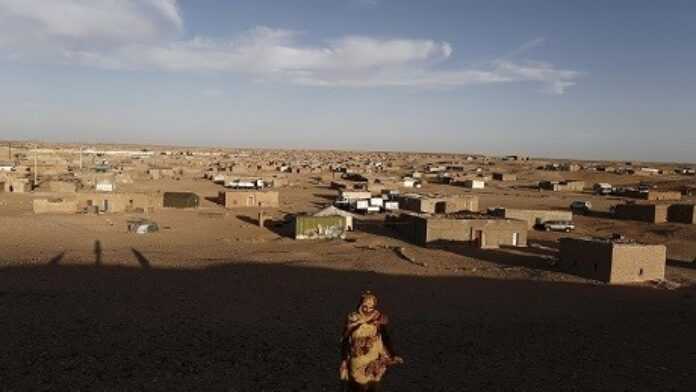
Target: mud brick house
{"points": [[180, 200], [504, 177], [438, 205], [682, 213], [532, 217], [479, 230], [653, 195], [612, 261], [661, 196], [652, 213], [62, 186], [562, 186], [118, 202], [55, 206], [14, 185], [249, 199]]}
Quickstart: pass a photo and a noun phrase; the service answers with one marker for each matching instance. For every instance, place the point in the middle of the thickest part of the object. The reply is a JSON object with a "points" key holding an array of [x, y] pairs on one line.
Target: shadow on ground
{"points": [[271, 327]]}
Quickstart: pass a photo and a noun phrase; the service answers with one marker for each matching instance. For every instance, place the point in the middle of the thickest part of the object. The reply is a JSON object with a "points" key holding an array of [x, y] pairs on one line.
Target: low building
{"points": [[249, 199], [7, 166], [479, 230], [532, 217], [504, 177], [62, 186], [562, 186], [438, 205], [118, 202], [54, 206], [612, 261], [474, 184], [652, 213], [682, 213], [180, 200], [15, 185], [352, 196], [161, 172], [653, 195], [320, 227]]}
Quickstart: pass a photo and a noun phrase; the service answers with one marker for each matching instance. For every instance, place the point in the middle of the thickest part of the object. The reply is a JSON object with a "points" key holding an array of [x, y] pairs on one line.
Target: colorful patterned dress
{"points": [[365, 348]]}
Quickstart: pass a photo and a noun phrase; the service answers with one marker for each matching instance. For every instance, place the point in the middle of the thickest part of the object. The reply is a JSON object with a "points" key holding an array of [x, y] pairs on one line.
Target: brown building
{"points": [[483, 231], [682, 213], [62, 186], [54, 206], [14, 185], [652, 213], [438, 205], [100, 202], [532, 217], [118, 202], [562, 186], [613, 261], [654, 195], [504, 177], [249, 199]]}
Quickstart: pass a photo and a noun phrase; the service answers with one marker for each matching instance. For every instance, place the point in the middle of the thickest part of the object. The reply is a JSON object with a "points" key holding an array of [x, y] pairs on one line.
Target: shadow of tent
{"points": [[261, 326]]}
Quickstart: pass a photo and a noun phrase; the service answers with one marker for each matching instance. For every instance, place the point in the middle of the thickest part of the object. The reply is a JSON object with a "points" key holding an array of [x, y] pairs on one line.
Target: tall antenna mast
{"points": [[36, 180]]}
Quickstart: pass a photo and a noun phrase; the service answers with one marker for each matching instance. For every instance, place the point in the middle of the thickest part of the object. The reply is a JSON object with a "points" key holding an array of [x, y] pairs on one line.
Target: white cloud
{"points": [[146, 34]]}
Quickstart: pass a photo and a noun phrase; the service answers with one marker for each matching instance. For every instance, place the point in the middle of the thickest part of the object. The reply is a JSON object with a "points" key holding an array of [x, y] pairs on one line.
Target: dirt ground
{"points": [[214, 302]]}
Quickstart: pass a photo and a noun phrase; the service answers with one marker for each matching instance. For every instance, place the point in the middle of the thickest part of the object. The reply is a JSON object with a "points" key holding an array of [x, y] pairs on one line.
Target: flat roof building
{"points": [[612, 261], [532, 217], [652, 213], [479, 230], [249, 199], [438, 205]]}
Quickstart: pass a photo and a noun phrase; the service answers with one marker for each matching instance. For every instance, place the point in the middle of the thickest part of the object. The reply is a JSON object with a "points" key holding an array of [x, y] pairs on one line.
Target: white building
{"points": [[105, 185], [6, 166], [474, 184]]}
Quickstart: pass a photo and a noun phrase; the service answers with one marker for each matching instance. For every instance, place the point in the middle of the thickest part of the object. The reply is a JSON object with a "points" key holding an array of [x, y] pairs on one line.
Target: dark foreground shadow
{"points": [[271, 327]]}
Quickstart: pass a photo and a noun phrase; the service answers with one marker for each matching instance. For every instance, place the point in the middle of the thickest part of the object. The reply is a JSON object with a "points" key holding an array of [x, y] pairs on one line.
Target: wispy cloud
{"points": [[146, 34]]}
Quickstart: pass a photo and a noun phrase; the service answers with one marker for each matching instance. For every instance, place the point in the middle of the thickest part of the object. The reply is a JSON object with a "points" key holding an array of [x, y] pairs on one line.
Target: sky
{"points": [[555, 78]]}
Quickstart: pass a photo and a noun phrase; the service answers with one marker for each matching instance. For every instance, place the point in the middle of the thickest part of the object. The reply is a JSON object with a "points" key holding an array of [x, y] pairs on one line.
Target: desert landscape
{"points": [[200, 295], [347, 196]]}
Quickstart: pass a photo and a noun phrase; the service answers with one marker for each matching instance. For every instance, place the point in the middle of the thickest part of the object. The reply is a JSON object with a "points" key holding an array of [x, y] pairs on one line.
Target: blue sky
{"points": [[595, 80]]}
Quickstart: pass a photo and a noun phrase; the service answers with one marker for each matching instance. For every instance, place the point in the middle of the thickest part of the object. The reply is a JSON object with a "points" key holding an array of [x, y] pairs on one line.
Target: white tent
{"points": [[333, 211]]}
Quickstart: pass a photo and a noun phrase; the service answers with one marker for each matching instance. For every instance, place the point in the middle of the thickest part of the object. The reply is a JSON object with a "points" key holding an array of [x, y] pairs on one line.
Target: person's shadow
{"points": [[97, 253]]}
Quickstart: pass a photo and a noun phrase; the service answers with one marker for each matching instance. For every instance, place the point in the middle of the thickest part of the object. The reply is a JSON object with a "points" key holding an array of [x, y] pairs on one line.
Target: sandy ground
{"points": [[214, 302]]}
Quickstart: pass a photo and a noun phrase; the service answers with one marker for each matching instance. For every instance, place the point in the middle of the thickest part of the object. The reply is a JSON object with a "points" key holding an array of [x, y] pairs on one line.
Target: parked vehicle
{"points": [[557, 225], [602, 188], [581, 207]]}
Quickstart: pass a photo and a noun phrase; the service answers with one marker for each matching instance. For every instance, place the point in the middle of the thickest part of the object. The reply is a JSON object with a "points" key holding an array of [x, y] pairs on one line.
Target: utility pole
{"points": [[36, 178], [80, 158], [9, 151]]}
